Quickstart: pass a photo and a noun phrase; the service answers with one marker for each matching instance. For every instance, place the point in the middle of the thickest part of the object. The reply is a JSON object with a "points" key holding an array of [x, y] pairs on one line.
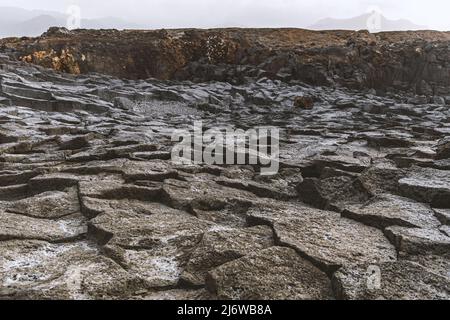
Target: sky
{"points": [[246, 13]]}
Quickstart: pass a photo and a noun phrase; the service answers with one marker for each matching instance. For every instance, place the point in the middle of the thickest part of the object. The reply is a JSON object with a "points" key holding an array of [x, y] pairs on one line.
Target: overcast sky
{"points": [[246, 13]]}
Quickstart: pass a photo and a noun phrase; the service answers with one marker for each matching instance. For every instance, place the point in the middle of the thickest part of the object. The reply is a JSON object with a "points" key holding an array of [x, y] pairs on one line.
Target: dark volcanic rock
{"points": [[419, 241], [397, 281], [326, 238], [263, 275], [427, 185], [386, 210], [93, 207], [304, 102], [443, 149], [221, 246], [415, 61]]}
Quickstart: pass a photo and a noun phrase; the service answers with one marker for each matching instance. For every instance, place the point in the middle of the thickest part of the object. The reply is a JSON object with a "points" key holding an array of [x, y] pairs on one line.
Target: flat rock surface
{"points": [[221, 246], [419, 240], [428, 185], [325, 237], [50, 205], [14, 226], [153, 247], [386, 210], [39, 270]]}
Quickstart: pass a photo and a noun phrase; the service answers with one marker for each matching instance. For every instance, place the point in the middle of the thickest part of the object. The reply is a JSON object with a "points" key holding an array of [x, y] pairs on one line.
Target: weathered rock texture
{"points": [[92, 207], [412, 61]]}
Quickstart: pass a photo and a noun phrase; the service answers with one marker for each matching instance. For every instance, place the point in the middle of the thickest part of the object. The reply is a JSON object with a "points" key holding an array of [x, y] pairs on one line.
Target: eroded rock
{"points": [[263, 276], [416, 241], [387, 210], [427, 185], [400, 280], [39, 270], [223, 245], [326, 238], [48, 205], [15, 226], [153, 247]]}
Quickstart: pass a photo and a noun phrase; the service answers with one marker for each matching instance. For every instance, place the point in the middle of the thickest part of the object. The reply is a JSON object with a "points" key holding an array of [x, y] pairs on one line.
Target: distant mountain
{"points": [[34, 26], [20, 22], [366, 21]]}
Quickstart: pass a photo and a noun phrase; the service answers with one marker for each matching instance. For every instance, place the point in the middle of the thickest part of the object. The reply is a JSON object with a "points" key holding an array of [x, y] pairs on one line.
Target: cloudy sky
{"points": [[246, 13]]}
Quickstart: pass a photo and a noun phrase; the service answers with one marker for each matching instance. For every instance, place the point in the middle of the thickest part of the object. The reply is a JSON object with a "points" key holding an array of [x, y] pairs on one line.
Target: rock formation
{"points": [[92, 207], [410, 61]]}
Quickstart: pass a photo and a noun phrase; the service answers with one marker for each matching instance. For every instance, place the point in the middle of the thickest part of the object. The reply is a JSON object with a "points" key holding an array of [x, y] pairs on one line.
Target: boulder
{"points": [[386, 210]]}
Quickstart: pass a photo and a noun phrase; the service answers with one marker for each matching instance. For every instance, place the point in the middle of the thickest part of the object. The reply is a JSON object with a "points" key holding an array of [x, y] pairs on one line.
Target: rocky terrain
{"points": [[92, 207], [416, 62]]}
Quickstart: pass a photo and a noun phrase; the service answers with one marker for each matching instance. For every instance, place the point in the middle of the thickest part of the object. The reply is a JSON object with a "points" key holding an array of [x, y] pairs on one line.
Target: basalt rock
{"points": [[396, 281], [414, 61], [259, 276], [443, 149], [93, 207]]}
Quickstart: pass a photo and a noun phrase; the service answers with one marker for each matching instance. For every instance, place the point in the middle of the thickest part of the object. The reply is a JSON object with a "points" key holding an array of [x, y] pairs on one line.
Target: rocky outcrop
{"points": [[411, 61], [92, 207]]}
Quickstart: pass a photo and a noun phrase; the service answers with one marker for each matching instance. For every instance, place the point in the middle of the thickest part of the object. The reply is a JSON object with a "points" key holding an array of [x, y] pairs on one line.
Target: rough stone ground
{"points": [[91, 206]]}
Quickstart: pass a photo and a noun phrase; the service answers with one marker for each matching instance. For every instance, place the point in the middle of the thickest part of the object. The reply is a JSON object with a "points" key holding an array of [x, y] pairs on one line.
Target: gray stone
{"points": [[400, 280], [439, 264], [40, 270], [204, 195], [15, 226], [427, 185], [382, 179], [275, 273], [49, 205], [155, 248], [387, 210], [223, 245], [443, 149], [92, 207], [325, 237]]}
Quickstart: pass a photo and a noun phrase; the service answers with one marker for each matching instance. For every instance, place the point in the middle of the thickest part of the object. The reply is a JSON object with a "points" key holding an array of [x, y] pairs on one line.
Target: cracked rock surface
{"points": [[92, 207]]}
